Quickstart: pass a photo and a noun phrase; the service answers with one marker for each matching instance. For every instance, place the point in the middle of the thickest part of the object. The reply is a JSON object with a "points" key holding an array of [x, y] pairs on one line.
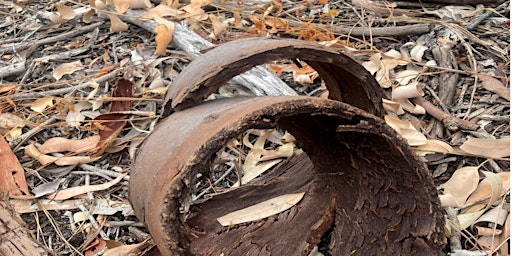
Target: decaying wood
{"points": [[447, 80], [15, 237]]}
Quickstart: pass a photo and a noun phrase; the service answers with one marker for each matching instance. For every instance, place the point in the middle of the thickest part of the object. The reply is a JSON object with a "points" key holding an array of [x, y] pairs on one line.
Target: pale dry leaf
{"points": [[406, 130], [392, 106], [13, 133], [257, 170], [435, 146], [217, 26], [488, 243], [411, 108], [163, 38], [32, 151], [140, 4], [494, 85], [261, 210], [489, 148], [407, 91], [116, 24], [497, 215], [505, 235], [121, 5], [485, 190], [59, 144], [66, 12], [485, 231], [193, 11], [10, 121], [161, 11], [28, 206], [55, 18], [66, 69], [75, 191], [467, 219], [405, 76], [47, 188], [123, 250], [462, 183], [41, 104], [417, 52], [79, 217], [373, 65]]}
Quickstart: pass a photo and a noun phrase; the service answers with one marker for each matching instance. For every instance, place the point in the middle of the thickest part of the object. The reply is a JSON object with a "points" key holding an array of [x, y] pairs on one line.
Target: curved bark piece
{"points": [[365, 191], [346, 80]]}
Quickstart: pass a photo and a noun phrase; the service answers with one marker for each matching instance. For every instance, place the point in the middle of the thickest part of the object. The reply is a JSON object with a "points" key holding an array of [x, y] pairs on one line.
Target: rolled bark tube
{"points": [[364, 188], [346, 80]]}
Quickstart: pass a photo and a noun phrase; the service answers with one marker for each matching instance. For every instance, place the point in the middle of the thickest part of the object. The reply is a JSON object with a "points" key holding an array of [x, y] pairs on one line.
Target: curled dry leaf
{"points": [[12, 175], [484, 190], [411, 108], [417, 52], [261, 210], [407, 91], [218, 26], [489, 148], [75, 191], [163, 38], [66, 69], [405, 76], [160, 11], [10, 121], [406, 130], [66, 145], [505, 235], [392, 106], [32, 151], [116, 24], [497, 215], [66, 12], [435, 146], [41, 104], [121, 5], [458, 188]]}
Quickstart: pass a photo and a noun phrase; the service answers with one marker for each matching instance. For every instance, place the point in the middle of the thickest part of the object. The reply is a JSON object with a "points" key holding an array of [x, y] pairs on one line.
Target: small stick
{"points": [[454, 235], [450, 122], [14, 144]]}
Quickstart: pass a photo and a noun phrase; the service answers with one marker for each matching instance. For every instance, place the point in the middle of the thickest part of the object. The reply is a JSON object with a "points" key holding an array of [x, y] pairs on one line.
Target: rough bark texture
{"points": [[15, 238], [365, 187]]}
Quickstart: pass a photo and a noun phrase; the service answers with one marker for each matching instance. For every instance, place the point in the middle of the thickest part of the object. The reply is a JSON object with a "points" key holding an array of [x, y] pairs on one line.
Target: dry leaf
{"points": [[66, 69], [41, 104], [160, 11], [490, 148], [94, 248], [47, 188], [75, 191], [417, 52], [497, 215], [217, 26], [59, 144], [406, 130], [458, 188], [12, 175], [140, 4], [261, 210], [116, 24], [484, 190], [66, 12], [494, 85], [10, 121], [121, 5], [392, 106], [405, 76], [411, 108], [123, 250], [163, 38], [505, 235], [407, 91], [32, 151], [435, 146]]}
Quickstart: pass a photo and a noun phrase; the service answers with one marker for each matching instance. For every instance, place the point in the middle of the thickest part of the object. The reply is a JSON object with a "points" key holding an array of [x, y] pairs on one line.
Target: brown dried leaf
{"points": [[41, 104], [116, 24], [66, 12], [218, 26], [163, 38], [66, 69], [406, 130], [12, 175], [123, 250], [10, 121], [160, 11], [140, 4], [494, 85], [484, 190], [75, 191], [32, 151], [121, 5], [59, 144], [505, 235], [457, 189], [489, 148]]}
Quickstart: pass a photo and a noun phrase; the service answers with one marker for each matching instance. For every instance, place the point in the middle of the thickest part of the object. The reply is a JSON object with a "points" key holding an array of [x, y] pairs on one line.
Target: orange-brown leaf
{"points": [[12, 175]]}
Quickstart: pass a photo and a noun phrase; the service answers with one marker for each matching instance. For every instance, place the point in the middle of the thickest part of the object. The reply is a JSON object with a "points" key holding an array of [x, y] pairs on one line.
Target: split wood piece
{"points": [[15, 237], [447, 80], [363, 185], [346, 80]]}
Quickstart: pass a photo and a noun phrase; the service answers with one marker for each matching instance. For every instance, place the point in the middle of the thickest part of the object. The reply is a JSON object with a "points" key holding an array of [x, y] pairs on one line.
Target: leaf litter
{"points": [[72, 87]]}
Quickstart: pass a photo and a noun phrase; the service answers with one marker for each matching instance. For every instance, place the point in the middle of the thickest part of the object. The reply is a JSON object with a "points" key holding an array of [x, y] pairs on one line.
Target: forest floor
{"points": [[59, 63]]}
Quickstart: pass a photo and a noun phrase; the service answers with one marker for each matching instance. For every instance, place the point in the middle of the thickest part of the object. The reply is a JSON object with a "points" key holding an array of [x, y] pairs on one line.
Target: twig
{"points": [[12, 69], [415, 29], [450, 122], [447, 81], [100, 171], [480, 17], [455, 233], [10, 48]]}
